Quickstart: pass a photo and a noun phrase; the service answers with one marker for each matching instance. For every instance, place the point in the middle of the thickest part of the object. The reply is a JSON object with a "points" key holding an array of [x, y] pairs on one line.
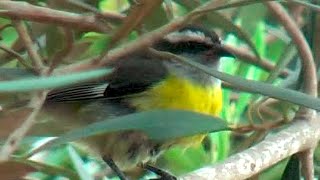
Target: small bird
{"points": [[142, 82]]}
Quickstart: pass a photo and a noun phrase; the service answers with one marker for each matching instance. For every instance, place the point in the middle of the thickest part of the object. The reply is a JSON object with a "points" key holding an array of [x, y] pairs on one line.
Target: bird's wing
{"points": [[130, 76], [85, 91]]}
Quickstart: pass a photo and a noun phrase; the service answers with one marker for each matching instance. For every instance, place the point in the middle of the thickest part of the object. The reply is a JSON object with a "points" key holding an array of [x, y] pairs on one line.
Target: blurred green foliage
{"points": [[250, 27]]}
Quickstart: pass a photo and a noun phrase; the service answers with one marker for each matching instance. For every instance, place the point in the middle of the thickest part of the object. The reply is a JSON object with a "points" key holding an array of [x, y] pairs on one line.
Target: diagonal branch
{"points": [[309, 70], [16, 55], [15, 138], [250, 58], [26, 11], [26, 39]]}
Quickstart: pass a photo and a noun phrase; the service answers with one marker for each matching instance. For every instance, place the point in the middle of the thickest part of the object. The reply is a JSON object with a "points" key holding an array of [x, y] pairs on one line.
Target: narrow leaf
{"points": [[40, 83], [158, 125]]}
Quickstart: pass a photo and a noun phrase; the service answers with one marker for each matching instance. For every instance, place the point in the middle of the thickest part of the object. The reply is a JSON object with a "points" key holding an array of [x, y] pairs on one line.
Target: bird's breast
{"points": [[178, 93]]}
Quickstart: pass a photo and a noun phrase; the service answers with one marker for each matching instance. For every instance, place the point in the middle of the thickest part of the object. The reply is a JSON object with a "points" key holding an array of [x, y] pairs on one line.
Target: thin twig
{"points": [[26, 39], [144, 41], [16, 46], [309, 70], [249, 58], [26, 11], [307, 165], [16, 55], [111, 16], [15, 138], [258, 127], [310, 85]]}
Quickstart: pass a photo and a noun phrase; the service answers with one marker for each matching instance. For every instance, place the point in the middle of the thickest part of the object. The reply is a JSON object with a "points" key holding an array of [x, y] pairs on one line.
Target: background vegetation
{"points": [[51, 43]]}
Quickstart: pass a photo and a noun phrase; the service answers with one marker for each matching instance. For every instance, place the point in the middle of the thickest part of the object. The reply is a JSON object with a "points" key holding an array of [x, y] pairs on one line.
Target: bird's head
{"points": [[197, 44]]}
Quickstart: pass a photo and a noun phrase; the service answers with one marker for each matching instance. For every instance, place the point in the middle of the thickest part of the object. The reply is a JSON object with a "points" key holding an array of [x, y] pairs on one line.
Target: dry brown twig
{"points": [[248, 57], [47, 15], [309, 76], [257, 127], [144, 41], [15, 138], [36, 101], [26, 11], [6, 57], [16, 55], [26, 39], [109, 16]]}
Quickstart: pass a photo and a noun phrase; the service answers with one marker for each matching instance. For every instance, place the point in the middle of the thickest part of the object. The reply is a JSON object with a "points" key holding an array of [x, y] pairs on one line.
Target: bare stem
{"points": [[26, 11], [26, 39], [17, 55], [15, 138], [310, 85]]}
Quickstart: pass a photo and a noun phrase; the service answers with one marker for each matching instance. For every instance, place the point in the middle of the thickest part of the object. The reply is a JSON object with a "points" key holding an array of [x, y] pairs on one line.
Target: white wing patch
{"points": [[83, 92], [188, 35]]}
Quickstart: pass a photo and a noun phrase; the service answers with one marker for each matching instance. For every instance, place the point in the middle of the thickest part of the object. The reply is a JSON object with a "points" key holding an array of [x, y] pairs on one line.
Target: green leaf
{"points": [[40, 83], [158, 125], [78, 164]]}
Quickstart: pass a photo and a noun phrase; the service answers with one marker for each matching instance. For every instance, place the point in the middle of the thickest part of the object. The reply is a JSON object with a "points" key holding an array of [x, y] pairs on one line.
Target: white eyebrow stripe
{"points": [[188, 36]]}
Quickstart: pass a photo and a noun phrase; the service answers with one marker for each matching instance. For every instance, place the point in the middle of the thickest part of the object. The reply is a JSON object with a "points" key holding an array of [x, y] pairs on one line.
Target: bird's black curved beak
{"points": [[223, 52]]}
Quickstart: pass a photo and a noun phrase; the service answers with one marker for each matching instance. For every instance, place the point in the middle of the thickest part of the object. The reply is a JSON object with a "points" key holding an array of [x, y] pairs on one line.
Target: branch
{"points": [[249, 58], [16, 47], [144, 41], [16, 55], [297, 137], [26, 39], [26, 11], [15, 138], [310, 85], [309, 70]]}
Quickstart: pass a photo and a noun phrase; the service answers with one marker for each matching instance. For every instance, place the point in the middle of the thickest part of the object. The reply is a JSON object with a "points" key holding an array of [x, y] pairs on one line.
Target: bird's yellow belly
{"points": [[176, 93]]}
